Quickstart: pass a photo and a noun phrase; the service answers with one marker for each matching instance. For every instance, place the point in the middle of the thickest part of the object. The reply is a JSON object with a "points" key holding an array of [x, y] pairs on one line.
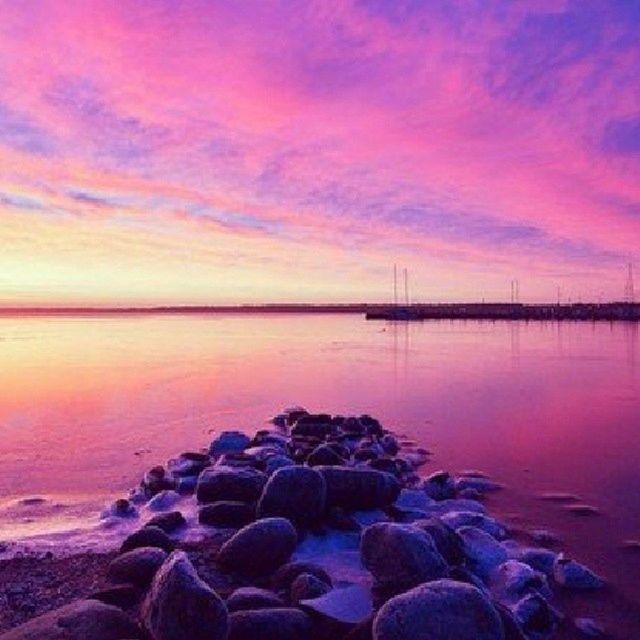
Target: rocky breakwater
{"points": [[318, 528]]}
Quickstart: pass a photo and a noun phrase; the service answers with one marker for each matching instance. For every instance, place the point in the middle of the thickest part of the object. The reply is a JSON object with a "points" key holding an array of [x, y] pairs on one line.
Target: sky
{"points": [[207, 151]]}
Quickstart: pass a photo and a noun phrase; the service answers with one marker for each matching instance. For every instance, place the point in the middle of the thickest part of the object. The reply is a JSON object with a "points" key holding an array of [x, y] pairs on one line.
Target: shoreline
{"points": [[456, 502]]}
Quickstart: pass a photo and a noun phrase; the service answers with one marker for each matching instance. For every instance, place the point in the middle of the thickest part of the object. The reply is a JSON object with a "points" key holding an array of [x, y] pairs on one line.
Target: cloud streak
{"points": [[302, 149]]}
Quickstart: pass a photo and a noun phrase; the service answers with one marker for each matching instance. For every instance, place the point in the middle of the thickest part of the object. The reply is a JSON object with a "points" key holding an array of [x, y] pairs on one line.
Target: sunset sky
{"points": [[178, 152]]}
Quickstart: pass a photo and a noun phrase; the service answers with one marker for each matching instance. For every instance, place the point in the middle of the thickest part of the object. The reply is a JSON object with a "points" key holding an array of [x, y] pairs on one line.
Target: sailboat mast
{"points": [[406, 287], [395, 284]]}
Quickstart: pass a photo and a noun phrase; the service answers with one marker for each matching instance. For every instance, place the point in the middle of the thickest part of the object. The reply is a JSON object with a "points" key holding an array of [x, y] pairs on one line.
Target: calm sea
{"points": [[88, 402]]}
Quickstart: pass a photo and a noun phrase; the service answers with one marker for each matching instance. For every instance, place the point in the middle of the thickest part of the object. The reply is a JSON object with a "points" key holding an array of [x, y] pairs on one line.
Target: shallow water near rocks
{"points": [[90, 402]]}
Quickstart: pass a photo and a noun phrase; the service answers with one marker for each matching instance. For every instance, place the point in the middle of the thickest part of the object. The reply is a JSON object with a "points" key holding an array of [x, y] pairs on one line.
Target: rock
{"points": [[440, 485], [349, 605], [559, 496], [482, 551], [390, 444], [457, 519], [542, 560], [359, 489], [512, 580], [296, 493], [277, 462], [536, 617], [589, 628], [227, 514], [180, 606], [400, 556], [155, 481], [168, 522], [307, 587], [229, 442], [121, 508], [259, 548], [189, 464], [574, 575], [283, 578], [544, 537], [123, 596], [164, 500], [148, 537], [481, 485], [270, 624], [413, 499], [319, 426], [512, 630], [324, 454], [137, 566], [252, 598], [440, 610], [79, 620], [447, 541], [241, 484]]}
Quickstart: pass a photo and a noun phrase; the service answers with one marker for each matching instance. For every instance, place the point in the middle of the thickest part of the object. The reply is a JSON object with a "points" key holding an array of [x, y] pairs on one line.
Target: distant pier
{"points": [[613, 311]]}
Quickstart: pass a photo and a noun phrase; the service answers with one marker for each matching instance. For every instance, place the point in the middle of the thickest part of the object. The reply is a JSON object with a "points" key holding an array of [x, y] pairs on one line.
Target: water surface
{"points": [[88, 402]]}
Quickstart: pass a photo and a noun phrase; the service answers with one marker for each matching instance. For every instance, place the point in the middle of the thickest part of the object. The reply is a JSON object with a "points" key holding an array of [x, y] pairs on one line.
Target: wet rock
{"points": [[447, 541], [164, 500], [589, 628], [324, 454], [155, 481], [390, 444], [252, 598], [536, 617], [542, 560], [227, 514], [440, 485], [400, 556], [259, 548], [350, 605], [229, 442], [481, 485], [544, 537], [482, 551], [456, 504], [277, 462], [168, 522], [180, 606], [270, 624], [296, 493], [283, 578], [189, 464], [306, 587], [512, 580], [413, 499], [359, 489], [457, 519], [512, 630], [137, 566], [121, 508], [241, 484], [148, 537], [573, 575], [79, 620], [440, 610], [388, 465], [123, 596]]}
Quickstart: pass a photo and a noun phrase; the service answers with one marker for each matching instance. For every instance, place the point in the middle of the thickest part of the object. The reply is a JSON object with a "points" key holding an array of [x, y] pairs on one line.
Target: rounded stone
{"points": [[270, 624], [180, 606], [359, 489], [148, 537], [259, 548], [307, 587], [252, 598], [283, 578], [440, 610], [241, 484], [137, 566], [227, 514], [296, 493]]}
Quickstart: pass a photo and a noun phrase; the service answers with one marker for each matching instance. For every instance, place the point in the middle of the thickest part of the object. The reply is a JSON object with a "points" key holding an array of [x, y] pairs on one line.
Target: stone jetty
{"points": [[320, 527]]}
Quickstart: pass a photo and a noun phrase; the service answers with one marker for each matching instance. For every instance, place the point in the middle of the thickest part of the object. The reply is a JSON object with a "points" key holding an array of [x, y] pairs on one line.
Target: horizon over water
{"points": [[90, 402]]}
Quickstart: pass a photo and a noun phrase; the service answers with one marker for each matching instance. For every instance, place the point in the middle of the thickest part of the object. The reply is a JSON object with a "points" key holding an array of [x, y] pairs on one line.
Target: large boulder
{"points": [[180, 606], [252, 598], [440, 610], [227, 514], [296, 493], [447, 541], [229, 442], [79, 620], [241, 484], [259, 548], [483, 552], [270, 624], [359, 489], [400, 556], [137, 566], [149, 536]]}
